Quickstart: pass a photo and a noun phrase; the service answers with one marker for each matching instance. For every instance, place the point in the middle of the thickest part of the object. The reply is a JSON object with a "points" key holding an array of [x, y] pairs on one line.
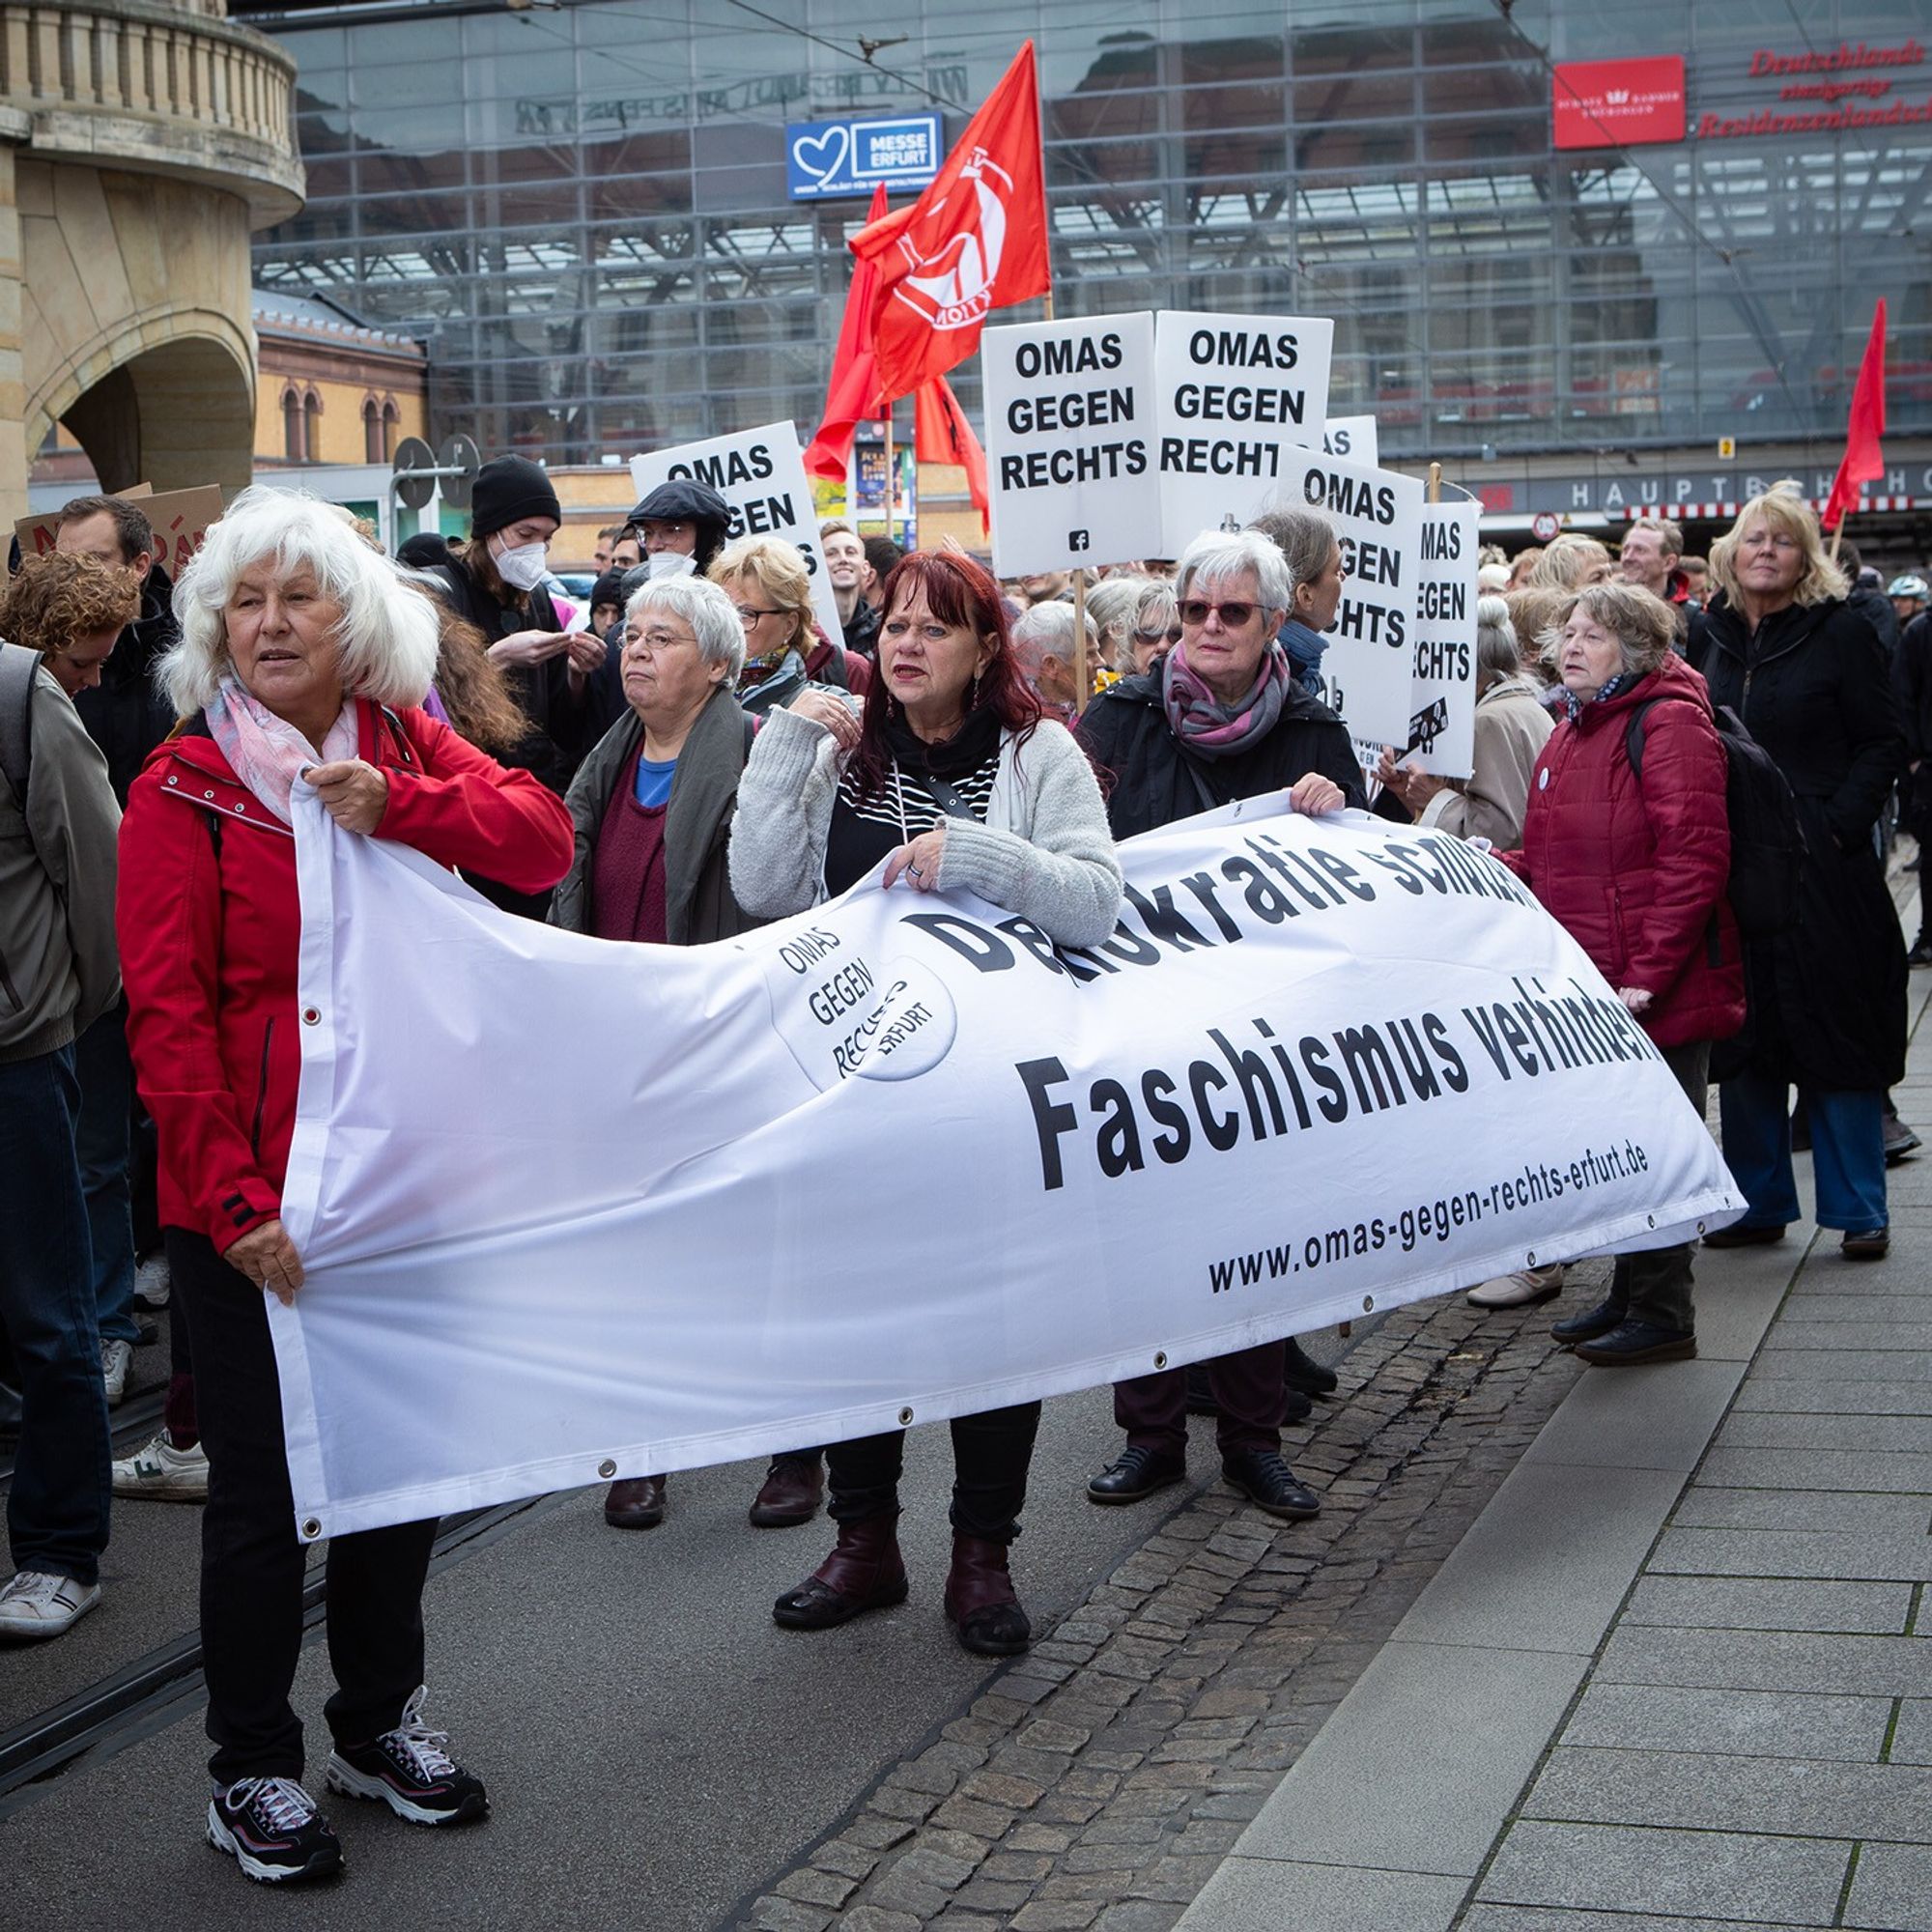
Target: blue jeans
{"points": [[1847, 1153], [57, 1514], [104, 1142]]}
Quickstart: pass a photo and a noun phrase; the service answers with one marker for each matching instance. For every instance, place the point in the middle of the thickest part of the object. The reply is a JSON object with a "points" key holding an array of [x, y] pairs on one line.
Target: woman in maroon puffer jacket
{"points": [[1633, 868]]}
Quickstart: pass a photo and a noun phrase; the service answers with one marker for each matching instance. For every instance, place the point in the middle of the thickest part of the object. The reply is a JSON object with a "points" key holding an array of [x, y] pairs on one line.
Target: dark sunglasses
{"points": [[1195, 611], [1169, 636]]}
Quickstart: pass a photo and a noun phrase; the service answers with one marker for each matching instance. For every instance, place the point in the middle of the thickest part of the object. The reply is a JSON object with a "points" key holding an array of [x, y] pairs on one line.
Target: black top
{"points": [[124, 715]]}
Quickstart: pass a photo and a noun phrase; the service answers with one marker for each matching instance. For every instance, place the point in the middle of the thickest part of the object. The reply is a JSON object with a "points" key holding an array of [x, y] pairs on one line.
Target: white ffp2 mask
{"points": [[523, 565]]}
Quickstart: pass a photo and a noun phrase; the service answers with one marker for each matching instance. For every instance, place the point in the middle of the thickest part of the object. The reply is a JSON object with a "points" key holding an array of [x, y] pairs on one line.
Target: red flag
{"points": [[1863, 461], [973, 242], [941, 434], [852, 396]]}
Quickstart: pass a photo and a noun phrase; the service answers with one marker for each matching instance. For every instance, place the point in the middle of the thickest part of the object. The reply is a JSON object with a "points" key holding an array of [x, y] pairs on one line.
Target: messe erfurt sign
{"points": [[825, 159], [1618, 103]]}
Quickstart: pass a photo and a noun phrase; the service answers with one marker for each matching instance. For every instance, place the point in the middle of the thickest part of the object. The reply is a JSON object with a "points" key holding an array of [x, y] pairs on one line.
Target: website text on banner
{"points": [[1369, 664], [578, 1188], [1238, 396], [1442, 685], [1069, 439], [761, 474]]}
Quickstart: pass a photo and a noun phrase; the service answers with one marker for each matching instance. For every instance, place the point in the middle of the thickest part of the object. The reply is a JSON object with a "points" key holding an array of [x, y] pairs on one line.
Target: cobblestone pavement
{"points": [[1104, 1776]]}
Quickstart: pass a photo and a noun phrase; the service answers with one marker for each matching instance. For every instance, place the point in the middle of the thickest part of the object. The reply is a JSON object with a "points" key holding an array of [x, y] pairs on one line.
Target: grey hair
{"points": [[1046, 630], [1218, 556], [1159, 606], [386, 636], [1112, 603], [1303, 535], [1497, 655], [703, 606]]}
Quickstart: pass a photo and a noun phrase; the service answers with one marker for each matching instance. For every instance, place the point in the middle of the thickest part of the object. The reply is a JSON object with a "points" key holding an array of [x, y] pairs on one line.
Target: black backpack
{"points": [[1767, 841]]}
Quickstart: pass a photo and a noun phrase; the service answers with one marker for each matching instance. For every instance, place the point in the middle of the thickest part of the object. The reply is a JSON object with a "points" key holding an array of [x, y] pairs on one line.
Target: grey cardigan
{"points": [[1512, 724], [1044, 851]]}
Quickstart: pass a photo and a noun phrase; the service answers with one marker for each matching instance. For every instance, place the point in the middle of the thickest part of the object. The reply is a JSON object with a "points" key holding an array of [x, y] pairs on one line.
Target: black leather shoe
{"points": [[635, 1502], [1741, 1234], [1301, 1370], [1632, 1343], [1270, 1484], [1138, 1474], [1900, 1142], [1872, 1246], [1587, 1326]]}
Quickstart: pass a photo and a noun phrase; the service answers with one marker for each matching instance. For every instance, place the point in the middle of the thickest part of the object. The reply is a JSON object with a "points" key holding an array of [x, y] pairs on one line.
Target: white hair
{"points": [[386, 635], [1218, 556], [713, 617], [1045, 631], [1113, 603]]}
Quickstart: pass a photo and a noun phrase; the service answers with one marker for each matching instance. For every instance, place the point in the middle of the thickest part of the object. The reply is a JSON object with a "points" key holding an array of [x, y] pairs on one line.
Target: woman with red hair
{"points": [[953, 780]]}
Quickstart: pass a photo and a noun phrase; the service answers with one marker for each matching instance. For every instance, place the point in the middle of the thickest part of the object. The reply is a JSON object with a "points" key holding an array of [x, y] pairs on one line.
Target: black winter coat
{"points": [[124, 715], [1826, 999], [1912, 680], [1155, 780]]}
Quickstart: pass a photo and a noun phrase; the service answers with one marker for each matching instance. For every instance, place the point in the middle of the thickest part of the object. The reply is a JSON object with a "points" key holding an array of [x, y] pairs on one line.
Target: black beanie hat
{"points": [[422, 550], [608, 589], [508, 488]]}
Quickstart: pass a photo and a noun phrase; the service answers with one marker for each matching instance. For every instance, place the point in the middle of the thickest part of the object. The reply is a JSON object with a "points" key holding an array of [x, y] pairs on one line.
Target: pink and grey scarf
{"points": [[1211, 730], [266, 753]]}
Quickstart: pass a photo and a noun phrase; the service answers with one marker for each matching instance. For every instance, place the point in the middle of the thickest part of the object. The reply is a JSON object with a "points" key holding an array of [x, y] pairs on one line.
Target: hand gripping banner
{"points": [[573, 1210]]}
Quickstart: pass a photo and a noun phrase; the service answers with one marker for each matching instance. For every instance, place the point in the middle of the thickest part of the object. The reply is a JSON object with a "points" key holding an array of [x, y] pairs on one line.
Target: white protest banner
{"points": [[761, 474], [1238, 395], [1069, 435], [572, 1209], [1352, 436], [1377, 519], [1442, 685]]}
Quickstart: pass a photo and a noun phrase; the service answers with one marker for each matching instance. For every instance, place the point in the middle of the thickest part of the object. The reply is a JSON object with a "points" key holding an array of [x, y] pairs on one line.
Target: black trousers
{"points": [[252, 1563], [991, 1454]]}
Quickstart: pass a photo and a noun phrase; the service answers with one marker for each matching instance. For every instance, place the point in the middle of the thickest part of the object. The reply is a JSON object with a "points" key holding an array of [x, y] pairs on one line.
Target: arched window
{"points": [[292, 424], [312, 427], [374, 448], [392, 421]]}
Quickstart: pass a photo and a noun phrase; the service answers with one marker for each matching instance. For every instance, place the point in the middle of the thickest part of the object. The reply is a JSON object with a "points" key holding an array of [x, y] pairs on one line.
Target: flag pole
{"points": [[1082, 673], [889, 478], [1436, 482]]}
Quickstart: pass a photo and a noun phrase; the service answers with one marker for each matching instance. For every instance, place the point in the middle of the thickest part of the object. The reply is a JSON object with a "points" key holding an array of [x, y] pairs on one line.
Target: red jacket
{"points": [[209, 920], [1634, 869]]}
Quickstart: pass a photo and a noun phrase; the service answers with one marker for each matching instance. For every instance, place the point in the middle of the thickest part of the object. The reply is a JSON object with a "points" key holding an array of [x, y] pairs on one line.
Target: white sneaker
{"points": [[1524, 1289], [152, 1283], [36, 1605], [158, 1470], [116, 1359]]}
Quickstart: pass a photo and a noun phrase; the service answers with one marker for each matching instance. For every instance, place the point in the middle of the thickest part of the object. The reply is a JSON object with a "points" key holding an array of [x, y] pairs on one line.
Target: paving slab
{"points": [[1868, 1666], [1758, 1428], [1864, 1363], [1859, 1298], [1406, 1774], [1653, 1419], [1265, 1896], [1756, 1602], [1904, 1337], [1832, 1512], [1841, 1395], [1548, 1563], [1756, 1723], [1911, 1740], [1902, 1557], [1733, 1308], [1892, 1891], [1762, 1880], [1896, 1472], [1545, 1919], [1716, 1791]]}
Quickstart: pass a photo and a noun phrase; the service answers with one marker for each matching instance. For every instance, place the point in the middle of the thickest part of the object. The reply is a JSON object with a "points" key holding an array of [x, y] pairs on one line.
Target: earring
{"points": [[973, 698]]}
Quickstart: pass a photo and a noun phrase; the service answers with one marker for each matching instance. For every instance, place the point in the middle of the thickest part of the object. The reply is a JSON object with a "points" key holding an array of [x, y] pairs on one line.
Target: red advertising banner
{"points": [[1619, 103]]}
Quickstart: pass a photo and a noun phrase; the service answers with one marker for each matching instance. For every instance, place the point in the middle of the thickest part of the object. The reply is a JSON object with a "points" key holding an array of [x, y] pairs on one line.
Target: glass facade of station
{"points": [[583, 208]]}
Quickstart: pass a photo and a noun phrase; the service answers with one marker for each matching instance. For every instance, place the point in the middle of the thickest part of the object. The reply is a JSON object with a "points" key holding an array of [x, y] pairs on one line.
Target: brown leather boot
{"points": [[865, 1572], [790, 1494], [635, 1502], [980, 1600]]}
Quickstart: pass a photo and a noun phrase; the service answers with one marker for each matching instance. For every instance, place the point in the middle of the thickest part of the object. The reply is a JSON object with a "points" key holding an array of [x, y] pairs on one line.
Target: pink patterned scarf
{"points": [[266, 753], [1211, 730]]}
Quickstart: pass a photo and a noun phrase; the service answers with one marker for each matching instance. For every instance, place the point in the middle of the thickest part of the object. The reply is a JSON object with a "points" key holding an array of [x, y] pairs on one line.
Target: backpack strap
{"points": [[17, 690]]}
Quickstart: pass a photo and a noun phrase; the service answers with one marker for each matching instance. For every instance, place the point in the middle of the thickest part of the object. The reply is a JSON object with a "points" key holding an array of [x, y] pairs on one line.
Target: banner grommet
{"points": [[1368, 1304], [311, 1529], [906, 1418], [607, 1467]]}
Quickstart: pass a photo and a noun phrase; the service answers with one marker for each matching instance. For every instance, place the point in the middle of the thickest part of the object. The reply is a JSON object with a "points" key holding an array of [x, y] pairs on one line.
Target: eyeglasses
{"points": [[648, 643], [1196, 611], [748, 614], [1169, 636]]}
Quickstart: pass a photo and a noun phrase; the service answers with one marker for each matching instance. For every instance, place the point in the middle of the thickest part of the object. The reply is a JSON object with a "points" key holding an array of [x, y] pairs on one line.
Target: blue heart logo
{"points": [[823, 155]]}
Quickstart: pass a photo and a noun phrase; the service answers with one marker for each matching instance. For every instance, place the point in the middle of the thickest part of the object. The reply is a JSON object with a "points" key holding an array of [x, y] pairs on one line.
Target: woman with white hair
{"points": [[304, 658], [652, 808], [1220, 717]]}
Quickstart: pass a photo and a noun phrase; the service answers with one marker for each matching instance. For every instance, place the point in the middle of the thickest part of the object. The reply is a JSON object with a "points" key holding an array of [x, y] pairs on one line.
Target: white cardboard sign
{"points": [[1069, 443], [1354, 437], [1238, 395], [761, 474], [1442, 683], [1377, 519]]}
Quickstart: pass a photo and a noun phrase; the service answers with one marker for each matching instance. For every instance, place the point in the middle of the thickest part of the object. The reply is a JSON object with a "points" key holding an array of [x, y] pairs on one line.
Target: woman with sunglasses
{"points": [[1218, 716], [786, 654]]}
